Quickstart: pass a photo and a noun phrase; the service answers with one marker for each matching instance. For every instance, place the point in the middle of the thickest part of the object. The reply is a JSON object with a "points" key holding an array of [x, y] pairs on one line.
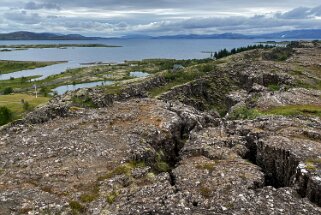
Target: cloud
{"points": [[297, 13], [316, 11], [37, 6], [301, 13], [23, 17], [158, 17]]}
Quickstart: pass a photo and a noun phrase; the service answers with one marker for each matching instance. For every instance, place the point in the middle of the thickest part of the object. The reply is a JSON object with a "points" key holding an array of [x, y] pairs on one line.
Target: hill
{"points": [[295, 34], [25, 35]]}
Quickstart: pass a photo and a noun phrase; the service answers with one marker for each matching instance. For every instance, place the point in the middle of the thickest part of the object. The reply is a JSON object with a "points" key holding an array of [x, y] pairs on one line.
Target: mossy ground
{"points": [[295, 110], [242, 113]]}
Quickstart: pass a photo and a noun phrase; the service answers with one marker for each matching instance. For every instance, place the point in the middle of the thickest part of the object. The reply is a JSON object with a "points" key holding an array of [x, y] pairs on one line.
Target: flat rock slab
{"points": [[294, 96]]}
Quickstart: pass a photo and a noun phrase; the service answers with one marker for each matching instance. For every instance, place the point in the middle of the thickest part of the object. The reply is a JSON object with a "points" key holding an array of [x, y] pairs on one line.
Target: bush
{"points": [[278, 54], [76, 207], [44, 91], [23, 80], [274, 87], [243, 113], [7, 91], [5, 115], [26, 106]]}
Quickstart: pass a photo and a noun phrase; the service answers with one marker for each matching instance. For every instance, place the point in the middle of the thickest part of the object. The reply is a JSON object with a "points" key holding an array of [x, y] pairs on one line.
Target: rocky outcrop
{"points": [[92, 152], [205, 94], [284, 150], [66, 158], [61, 105], [294, 96]]}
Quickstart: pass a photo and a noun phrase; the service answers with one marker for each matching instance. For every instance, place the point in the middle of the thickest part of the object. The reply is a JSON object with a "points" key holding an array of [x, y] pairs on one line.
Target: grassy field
{"points": [[14, 66], [15, 104]]}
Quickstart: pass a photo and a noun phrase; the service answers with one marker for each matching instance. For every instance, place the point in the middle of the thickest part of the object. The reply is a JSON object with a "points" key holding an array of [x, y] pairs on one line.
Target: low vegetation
{"points": [[77, 208], [208, 166], [175, 78], [278, 54], [14, 66], [312, 163], [243, 112], [91, 195], [111, 197], [85, 102], [18, 104], [47, 46], [122, 169], [295, 110], [6, 115]]}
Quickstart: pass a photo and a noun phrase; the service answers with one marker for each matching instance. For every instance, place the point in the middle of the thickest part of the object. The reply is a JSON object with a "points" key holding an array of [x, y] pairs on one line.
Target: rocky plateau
{"points": [[186, 151]]}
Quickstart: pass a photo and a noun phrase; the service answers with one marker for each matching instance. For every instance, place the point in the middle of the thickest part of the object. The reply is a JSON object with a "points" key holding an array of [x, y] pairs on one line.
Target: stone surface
{"points": [[92, 152]]}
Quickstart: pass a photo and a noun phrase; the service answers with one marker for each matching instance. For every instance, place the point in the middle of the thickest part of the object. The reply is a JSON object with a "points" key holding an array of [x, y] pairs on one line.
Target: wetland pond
{"points": [[62, 89]]}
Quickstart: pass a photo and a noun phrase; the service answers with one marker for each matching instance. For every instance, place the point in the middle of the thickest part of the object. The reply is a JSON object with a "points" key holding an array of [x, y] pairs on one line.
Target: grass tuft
{"points": [[242, 113], [295, 110], [111, 197], [76, 207]]}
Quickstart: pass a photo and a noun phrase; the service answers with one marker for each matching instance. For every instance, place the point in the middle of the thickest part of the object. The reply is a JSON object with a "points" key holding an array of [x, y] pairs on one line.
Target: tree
{"points": [[5, 115]]}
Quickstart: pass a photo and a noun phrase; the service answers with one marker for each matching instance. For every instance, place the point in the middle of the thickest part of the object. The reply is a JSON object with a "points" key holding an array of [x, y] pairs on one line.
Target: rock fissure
{"points": [[148, 156]]}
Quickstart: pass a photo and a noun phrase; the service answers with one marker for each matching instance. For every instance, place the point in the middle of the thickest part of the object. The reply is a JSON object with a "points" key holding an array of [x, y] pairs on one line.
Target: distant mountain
{"points": [[136, 36], [295, 34], [24, 35], [208, 36]]}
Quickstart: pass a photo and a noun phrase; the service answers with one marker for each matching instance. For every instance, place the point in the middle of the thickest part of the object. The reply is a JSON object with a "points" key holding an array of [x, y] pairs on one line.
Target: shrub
{"points": [[77, 207], [44, 91], [205, 191], [23, 80], [111, 197], [274, 87], [278, 54], [243, 113], [5, 115], [7, 91], [26, 106], [85, 102]]}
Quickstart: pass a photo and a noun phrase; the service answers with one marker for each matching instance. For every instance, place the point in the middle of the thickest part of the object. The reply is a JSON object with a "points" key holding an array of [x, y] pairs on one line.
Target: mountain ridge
{"points": [[25, 35], [294, 34]]}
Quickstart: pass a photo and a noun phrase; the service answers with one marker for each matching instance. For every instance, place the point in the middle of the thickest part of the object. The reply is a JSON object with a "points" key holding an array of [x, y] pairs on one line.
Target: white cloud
{"points": [[161, 17], [23, 17]]}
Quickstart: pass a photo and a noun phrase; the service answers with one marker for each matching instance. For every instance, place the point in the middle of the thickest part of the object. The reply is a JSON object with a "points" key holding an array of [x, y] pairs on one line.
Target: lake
{"points": [[132, 49]]}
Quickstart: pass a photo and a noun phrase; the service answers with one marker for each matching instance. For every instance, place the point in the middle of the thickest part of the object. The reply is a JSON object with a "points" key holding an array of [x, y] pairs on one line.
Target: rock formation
{"points": [[182, 153]]}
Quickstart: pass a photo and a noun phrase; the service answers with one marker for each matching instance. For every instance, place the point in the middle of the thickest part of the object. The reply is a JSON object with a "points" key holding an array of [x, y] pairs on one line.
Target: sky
{"points": [[112, 18]]}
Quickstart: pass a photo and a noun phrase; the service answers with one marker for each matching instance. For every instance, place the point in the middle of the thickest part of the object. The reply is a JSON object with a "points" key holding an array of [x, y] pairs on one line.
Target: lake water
{"points": [[62, 89], [138, 74], [132, 49]]}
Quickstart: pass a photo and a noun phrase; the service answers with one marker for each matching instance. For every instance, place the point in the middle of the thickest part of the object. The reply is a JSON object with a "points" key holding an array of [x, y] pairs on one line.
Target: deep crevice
{"points": [[280, 167]]}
